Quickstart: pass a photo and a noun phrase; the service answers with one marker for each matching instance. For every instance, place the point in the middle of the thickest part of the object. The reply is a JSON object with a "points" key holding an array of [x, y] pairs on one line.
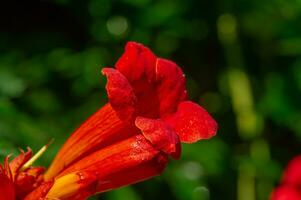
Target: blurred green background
{"points": [[243, 64]]}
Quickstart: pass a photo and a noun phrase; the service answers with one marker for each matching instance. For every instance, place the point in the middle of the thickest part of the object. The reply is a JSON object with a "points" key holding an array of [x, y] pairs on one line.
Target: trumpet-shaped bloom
{"points": [[131, 137], [290, 188]]}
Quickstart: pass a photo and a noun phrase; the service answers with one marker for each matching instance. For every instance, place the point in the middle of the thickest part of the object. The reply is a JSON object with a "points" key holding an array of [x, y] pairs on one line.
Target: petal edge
{"points": [[120, 93], [192, 122], [161, 135]]}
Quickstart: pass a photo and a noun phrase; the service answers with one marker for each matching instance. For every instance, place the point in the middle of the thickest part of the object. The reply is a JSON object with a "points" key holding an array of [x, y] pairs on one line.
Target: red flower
{"points": [[15, 180], [290, 188], [130, 138]]}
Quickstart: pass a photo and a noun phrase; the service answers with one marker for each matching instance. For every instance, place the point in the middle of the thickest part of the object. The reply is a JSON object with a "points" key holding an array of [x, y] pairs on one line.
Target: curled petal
{"points": [[137, 62], [171, 88], [160, 134], [138, 65], [19, 161], [192, 122], [7, 169], [120, 93]]}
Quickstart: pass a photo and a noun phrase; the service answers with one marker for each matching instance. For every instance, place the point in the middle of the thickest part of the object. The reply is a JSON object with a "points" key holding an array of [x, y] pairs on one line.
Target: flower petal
{"points": [[138, 65], [7, 190], [70, 184], [117, 158], [102, 129], [171, 88], [19, 161], [137, 62], [160, 134], [120, 93], [7, 169], [40, 192], [292, 174], [192, 123], [28, 180], [135, 174], [285, 193], [125, 177]]}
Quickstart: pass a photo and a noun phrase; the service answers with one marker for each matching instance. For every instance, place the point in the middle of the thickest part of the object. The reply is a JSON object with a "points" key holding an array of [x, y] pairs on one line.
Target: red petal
{"points": [[40, 192], [138, 65], [19, 161], [7, 169], [160, 134], [120, 157], [135, 174], [24, 184], [7, 191], [102, 129], [120, 93], [28, 180], [285, 193], [292, 174], [116, 157], [137, 62], [192, 122], [128, 154], [171, 87], [125, 177]]}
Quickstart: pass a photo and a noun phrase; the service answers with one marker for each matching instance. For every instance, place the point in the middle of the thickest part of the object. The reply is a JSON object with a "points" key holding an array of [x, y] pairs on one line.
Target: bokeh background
{"points": [[243, 64]]}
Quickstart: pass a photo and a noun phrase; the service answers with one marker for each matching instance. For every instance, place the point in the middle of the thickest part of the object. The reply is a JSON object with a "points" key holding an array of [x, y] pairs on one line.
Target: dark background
{"points": [[243, 64]]}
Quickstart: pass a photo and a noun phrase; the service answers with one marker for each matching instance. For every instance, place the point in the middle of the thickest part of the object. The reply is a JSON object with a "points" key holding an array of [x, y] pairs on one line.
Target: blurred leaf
{"points": [[10, 85]]}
